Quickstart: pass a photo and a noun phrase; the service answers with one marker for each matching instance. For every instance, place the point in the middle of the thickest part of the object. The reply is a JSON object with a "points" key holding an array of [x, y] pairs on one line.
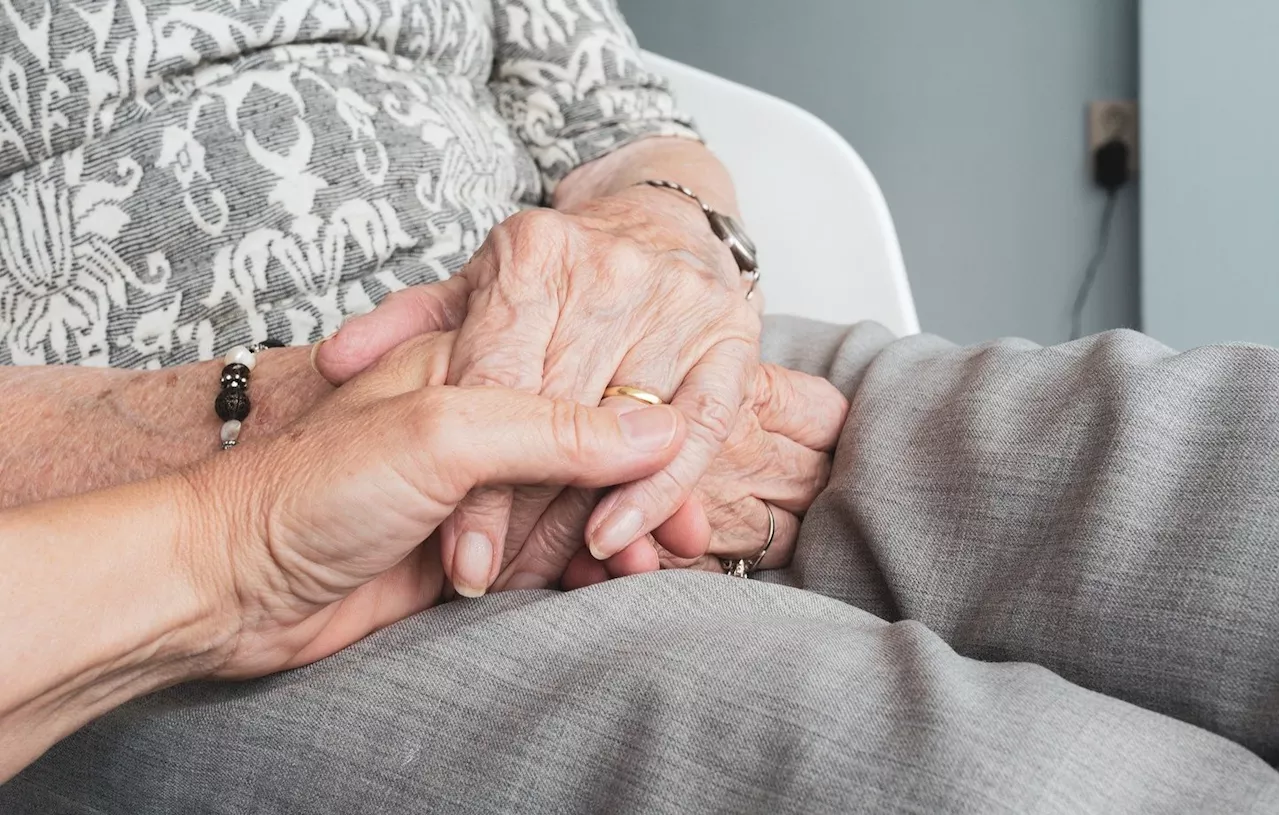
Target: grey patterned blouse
{"points": [[178, 176]]}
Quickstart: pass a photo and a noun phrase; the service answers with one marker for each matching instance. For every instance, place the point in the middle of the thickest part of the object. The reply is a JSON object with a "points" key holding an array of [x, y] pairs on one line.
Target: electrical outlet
{"points": [[1114, 119]]}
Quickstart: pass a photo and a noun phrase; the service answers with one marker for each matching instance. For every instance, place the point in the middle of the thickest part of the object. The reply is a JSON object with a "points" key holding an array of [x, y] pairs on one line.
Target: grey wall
{"points": [[1210, 268], [972, 116]]}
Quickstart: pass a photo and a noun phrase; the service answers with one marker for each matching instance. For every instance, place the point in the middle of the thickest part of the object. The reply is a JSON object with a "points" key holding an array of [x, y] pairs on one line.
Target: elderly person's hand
{"points": [[775, 462], [627, 289]]}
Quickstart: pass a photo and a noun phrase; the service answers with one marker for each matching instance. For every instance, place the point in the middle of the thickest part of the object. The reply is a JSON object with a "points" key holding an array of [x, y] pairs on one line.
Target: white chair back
{"points": [[828, 249]]}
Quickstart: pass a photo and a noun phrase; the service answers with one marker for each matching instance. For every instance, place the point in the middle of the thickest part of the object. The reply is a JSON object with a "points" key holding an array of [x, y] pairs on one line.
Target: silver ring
{"points": [[741, 567]]}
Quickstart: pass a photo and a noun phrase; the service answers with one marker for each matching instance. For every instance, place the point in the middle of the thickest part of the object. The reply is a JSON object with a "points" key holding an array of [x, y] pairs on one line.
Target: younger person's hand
{"points": [[328, 526]]}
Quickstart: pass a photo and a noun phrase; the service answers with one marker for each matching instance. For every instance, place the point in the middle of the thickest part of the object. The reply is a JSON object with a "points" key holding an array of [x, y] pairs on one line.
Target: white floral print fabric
{"points": [[179, 176]]}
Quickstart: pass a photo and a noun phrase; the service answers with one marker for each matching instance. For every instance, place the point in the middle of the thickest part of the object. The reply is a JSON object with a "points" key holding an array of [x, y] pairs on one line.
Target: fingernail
{"points": [[525, 580], [649, 429], [613, 533], [471, 563], [315, 350]]}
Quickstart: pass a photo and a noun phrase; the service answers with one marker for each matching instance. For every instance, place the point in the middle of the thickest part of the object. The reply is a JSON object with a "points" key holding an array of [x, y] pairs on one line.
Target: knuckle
{"points": [[715, 416], [719, 512], [535, 221], [527, 257], [430, 428], [663, 493], [666, 560], [496, 377], [837, 406], [535, 234], [798, 480], [571, 429], [624, 256], [426, 419], [829, 409], [560, 533], [535, 499], [744, 440], [488, 506], [554, 541], [766, 390], [502, 365], [816, 480], [545, 557]]}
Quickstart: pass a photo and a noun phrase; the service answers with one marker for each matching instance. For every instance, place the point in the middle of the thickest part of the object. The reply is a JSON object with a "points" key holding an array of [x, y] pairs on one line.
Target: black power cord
{"points": [[1111, 172]]}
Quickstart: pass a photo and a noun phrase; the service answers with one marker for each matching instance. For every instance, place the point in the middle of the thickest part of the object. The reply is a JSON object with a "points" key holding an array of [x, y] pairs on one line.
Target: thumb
{"points": [[400, 316], [493, 436]]}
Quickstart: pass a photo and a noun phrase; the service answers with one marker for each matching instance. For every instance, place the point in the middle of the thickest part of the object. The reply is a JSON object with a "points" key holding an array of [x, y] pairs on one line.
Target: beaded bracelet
{"points": [[232, 404]]}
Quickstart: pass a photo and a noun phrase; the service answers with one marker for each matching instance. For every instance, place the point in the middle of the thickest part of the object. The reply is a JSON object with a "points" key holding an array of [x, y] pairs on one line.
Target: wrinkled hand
{"points": [[325, 522], [779, 453], [633, 289]]}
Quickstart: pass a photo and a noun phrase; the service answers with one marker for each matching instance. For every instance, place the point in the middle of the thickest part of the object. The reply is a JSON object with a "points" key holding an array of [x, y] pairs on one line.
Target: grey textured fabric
{"points": [[1106, 508], [180, 176]]}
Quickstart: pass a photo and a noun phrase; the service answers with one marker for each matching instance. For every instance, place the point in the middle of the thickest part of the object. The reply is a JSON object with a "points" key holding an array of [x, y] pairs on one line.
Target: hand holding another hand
{"points": [[779, 452], [629, 289], [328, 525], [776, 461]]}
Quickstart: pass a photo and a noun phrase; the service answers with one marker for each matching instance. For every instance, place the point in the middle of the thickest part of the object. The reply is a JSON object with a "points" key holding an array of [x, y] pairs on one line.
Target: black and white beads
{"points": [[232, 404]]}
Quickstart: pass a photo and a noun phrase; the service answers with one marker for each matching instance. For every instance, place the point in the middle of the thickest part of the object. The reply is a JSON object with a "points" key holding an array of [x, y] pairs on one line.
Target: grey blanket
{"points": [[1041, 580]]}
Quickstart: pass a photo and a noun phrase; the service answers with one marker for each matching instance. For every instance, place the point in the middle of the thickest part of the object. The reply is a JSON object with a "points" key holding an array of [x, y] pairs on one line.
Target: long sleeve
{"points": [[569, 78]]}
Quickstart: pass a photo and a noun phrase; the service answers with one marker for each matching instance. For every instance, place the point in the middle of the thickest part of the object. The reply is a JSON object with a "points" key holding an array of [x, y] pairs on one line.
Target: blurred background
{"points": [[972, 116]]}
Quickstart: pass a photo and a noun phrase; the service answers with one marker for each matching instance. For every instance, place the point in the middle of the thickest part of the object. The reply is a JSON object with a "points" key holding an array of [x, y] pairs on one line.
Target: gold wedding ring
{"points": [[633, 393], [742, 567]]}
